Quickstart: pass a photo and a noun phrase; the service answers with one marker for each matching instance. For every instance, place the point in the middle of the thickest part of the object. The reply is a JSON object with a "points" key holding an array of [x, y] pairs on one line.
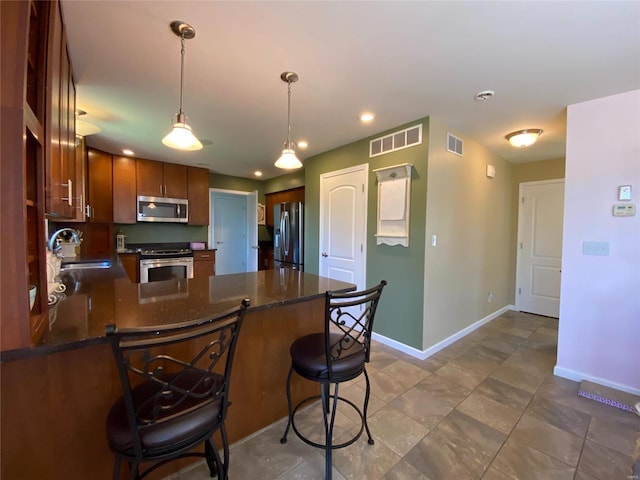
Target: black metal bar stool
{"points": [[173, 400], [338, 354]]}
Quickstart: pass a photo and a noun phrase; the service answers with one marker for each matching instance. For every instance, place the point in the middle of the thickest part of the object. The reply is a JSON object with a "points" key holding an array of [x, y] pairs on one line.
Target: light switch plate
{"points": [[624, 192]]}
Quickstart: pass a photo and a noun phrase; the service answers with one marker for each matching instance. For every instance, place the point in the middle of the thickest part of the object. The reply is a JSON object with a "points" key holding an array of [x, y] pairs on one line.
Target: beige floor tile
{"points": [[459, 447], [355, 393], [396, 430], [461, 375], [363, 461], [406, 373], [523, 462], [486, 410], [386, 387], [514, 374], [313, 468], [430, 400], [494, 474], [560, 416], [404, 471], [604, 463], [548, 439], [621, 434]]}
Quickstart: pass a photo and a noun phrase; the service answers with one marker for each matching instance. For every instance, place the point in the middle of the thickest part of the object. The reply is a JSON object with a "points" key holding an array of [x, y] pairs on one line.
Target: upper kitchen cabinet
{"points": [[198, 179], [23, 148], [99, 208], [124, 190], [60, 104], [158, 179], [271, 199]]}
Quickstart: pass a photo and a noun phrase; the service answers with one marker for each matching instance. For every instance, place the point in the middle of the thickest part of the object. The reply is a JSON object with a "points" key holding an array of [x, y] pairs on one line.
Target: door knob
{"points": [[324, 254]]}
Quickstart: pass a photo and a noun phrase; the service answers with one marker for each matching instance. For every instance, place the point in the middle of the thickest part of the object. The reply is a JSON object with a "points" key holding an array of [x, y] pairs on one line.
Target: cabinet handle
{"points": [[69, 197], [87, 210], [204, 256]]}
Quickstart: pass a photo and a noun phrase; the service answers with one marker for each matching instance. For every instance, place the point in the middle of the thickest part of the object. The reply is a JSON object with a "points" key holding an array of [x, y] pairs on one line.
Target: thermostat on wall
{"points": [[624, 209]]}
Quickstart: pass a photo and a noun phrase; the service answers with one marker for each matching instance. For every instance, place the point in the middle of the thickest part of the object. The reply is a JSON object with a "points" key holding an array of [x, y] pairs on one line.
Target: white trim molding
{"points": [[424, 354], [579, 377]]}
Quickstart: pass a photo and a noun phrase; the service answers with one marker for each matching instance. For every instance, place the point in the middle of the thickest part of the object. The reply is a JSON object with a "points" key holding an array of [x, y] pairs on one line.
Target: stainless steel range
{"points": [[165, 263]]}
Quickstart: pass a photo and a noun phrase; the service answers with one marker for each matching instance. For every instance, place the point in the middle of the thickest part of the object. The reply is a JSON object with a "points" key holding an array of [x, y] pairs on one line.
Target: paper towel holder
{"points": [[394, 194]]}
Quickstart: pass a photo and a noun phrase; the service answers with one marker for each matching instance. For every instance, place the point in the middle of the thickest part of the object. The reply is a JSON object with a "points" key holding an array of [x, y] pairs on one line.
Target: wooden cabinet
{"points": [[272, 199], [204, 263], [131, 264], [198, 195], [99, 187], [23, 149], [159, 179], [265, 256], [60, 120], [124, 190]]}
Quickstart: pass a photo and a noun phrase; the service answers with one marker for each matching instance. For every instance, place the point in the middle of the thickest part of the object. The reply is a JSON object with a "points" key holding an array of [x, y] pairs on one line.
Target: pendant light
{"points": [[288, 159], [181, 137]]}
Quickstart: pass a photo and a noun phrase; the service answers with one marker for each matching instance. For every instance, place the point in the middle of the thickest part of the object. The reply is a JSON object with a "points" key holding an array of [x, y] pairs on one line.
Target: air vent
{"points": [[454, 144], [396, 141]]}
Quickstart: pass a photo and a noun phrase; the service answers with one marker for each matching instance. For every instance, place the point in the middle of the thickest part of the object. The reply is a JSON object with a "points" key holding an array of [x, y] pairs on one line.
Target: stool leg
{"points": [[366, 406], [225, 451], [325, 391], [286, 430]]}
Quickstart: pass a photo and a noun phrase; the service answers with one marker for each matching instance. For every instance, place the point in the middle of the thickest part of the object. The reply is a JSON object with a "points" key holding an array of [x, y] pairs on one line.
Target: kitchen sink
{"points": [[85, 264]]}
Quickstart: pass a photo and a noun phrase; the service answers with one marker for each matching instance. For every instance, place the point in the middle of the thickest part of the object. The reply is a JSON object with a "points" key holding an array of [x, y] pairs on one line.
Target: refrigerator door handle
{"points": [[285, 230]]}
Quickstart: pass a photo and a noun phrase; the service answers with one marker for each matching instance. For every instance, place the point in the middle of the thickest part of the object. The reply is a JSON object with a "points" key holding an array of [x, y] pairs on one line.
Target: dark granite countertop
{"points": [[95, 298]]}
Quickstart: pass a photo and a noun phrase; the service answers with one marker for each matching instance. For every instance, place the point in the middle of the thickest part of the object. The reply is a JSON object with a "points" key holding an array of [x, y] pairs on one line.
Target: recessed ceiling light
{"points": [[367, 117], [257, 173], [303, 144], [128, 151], [484, 96]]}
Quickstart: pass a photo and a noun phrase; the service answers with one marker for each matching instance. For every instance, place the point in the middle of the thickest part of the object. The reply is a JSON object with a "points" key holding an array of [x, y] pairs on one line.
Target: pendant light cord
{"points": [[181, 70], [289, 116]]}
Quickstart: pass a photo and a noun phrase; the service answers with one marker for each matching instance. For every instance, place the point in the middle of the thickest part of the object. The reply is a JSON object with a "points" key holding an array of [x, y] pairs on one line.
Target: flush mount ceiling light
{"points": [[288, 159], [83, 128], [524, 138], [181, 137]]}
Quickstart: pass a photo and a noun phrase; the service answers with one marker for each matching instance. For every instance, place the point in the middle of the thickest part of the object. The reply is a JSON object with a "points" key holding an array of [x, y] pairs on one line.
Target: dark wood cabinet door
{"points": [[272, 199], [124, 190], [198, 195], [131, 264], [54, 190], [175, 180], [100, 186], [149, 178], [204, 263]]}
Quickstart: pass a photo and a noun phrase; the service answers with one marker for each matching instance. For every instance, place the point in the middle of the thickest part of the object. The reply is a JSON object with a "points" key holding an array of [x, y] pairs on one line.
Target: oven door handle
{"points": [[175, 261]]}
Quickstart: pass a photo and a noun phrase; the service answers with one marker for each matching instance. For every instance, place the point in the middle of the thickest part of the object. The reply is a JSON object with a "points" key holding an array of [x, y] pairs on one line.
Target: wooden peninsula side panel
{"points": [[54, 406]]}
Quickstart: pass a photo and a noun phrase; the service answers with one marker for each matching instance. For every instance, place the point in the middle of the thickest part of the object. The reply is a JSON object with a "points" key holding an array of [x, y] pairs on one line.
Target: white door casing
{"points": [[539, 259], [343, 225]]}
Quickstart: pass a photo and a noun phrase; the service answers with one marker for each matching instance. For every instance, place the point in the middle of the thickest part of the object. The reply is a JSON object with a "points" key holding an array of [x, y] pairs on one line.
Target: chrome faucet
{"points": [[55, 247]]}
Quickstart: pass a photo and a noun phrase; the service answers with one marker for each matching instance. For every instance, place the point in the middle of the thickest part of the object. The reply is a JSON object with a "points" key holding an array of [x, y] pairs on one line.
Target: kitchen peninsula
{"points": [[56, 395]]}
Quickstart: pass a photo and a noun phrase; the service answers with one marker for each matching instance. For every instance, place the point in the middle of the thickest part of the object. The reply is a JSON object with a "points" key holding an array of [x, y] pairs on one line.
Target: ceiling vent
{"points": [[454, 144], [396, 141]]}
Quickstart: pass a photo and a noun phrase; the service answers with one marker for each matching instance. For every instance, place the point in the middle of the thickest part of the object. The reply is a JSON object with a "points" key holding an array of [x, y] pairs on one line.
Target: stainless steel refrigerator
{"points": [[289, 235]]}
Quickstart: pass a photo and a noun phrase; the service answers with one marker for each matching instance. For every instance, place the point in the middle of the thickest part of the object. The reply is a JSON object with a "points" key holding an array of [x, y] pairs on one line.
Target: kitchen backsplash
{"points": [[162, 232]]}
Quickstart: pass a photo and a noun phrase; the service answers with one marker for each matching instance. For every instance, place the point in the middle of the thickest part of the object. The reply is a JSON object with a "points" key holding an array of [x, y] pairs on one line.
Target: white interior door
{"points": [[540, 247], [343, 225], [229, 232]]}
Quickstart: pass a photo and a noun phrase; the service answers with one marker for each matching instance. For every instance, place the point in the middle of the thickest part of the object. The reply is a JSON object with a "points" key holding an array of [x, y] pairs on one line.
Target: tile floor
{"points": [[486, 407]]}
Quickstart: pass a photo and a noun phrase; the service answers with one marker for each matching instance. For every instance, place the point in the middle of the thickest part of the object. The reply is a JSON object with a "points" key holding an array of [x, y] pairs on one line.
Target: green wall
{"points": [[399, 314], [285, 182]]}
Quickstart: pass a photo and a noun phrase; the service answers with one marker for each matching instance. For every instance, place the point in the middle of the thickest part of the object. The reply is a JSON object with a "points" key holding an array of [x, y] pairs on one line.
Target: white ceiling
{"points": [[401, 60]]}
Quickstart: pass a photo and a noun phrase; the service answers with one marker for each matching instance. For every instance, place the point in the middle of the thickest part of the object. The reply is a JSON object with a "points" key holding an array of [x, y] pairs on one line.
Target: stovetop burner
{"points": [[164, 253]]}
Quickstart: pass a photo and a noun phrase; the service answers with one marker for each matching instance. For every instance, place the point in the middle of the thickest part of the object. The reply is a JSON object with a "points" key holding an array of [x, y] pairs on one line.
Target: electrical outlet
{"points": [[489, 297]]}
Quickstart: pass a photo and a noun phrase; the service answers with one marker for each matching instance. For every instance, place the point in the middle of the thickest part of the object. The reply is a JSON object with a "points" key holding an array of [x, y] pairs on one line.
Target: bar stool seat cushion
{"points": [[308, 357], [192, 419]]}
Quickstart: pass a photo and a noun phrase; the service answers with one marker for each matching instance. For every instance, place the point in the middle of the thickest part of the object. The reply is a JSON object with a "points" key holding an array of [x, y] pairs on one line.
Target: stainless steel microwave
{"points": [[160, 209]]}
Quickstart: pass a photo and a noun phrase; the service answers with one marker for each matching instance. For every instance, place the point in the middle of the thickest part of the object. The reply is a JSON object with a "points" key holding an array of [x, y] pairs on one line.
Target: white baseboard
{"points": [[579, 377], [424, 354]]}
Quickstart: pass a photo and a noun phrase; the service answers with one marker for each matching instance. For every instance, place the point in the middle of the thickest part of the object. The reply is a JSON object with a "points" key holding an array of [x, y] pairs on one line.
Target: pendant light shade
{"points": [[288, 160], [181, 137], [524, 138]]}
